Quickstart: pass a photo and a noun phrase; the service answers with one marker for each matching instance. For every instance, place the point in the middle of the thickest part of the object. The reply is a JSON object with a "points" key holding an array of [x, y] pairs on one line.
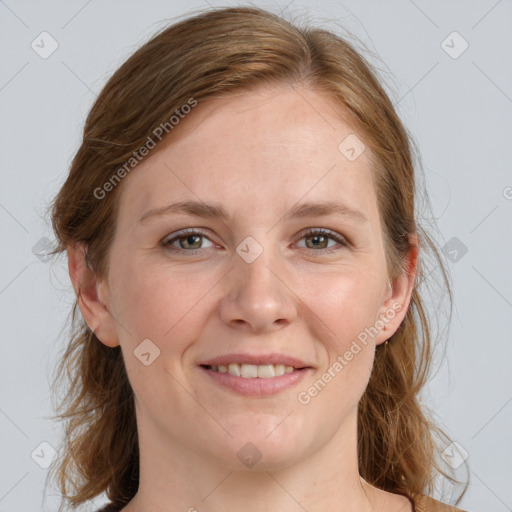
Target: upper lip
{"points": [[260, 359]]}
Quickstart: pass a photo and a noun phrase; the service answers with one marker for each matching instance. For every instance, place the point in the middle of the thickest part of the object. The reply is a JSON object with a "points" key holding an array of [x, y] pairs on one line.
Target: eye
{"points": [[191, 241], [319, 240], [188, 240]]}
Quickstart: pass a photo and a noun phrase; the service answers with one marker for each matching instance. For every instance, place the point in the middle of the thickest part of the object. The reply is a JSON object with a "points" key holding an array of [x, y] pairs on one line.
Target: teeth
{"points": [[234, 369], [279, 369], [266, 371], [251, 371]]}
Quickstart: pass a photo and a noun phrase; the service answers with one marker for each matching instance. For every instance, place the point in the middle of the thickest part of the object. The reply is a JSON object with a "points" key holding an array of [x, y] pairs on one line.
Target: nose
{"points": [[258, 296]]}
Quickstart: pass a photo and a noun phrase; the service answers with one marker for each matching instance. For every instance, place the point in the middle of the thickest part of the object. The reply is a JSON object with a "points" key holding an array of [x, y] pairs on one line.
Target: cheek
{"points": [[344, 318], [158, 303], [161, 304], [347, 305]]}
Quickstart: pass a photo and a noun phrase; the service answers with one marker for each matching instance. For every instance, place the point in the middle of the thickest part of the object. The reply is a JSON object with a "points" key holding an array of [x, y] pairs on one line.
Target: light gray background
{"points": [[459, 111]]}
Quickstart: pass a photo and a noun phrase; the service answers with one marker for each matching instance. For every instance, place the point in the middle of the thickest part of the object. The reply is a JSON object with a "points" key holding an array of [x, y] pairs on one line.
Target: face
{"points": [[276, 283]]}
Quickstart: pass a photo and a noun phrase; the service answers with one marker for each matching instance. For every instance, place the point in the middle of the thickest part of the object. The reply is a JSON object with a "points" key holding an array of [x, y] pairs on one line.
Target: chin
{"points": [[270, 446]]}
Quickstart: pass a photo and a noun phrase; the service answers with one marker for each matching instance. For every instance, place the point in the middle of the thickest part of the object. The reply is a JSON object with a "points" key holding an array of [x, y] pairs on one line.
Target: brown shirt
{"points": [[421, 504]]}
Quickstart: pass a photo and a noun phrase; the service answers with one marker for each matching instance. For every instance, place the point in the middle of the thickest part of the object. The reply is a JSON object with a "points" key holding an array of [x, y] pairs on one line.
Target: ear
{"points": [[398, 296], [92, 296]]}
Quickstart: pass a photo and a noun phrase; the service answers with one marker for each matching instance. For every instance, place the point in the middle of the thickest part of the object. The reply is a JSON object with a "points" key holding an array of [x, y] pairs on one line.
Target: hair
{"points": [[211, 55]]}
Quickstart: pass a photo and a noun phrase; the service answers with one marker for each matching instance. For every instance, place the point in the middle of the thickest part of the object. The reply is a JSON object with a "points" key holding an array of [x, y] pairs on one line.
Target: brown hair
{"points": [[210, 55]]}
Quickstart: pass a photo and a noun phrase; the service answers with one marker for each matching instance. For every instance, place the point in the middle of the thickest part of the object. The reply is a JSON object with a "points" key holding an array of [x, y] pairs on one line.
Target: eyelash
{"points": [[166, 243]]}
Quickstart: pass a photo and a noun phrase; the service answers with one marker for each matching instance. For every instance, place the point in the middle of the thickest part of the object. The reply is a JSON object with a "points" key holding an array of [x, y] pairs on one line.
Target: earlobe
{"points": [[89, 290]]}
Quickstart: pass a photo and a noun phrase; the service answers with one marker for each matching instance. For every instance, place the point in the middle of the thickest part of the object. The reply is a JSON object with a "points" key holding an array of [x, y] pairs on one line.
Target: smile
{"points": [[251, 371], [255, 380]]}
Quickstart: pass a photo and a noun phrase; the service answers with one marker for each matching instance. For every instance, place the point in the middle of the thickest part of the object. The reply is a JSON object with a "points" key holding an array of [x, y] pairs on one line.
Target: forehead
{"points": [[266, 148]]}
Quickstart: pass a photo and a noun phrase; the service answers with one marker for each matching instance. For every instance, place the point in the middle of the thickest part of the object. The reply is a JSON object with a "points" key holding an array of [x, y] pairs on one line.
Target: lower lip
{"points": [[257, 386]]}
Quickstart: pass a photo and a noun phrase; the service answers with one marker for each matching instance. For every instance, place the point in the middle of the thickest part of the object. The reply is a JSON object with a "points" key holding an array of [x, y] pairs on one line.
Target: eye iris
{"points": [[322, 238], [191, 237]]}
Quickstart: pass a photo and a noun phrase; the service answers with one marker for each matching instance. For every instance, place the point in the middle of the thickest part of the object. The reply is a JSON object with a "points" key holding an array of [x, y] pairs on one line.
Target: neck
{"points": [[176, 478]]}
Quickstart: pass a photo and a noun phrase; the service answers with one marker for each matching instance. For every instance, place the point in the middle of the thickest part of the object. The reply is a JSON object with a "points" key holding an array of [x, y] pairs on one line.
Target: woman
{"points": [[240, 229]]}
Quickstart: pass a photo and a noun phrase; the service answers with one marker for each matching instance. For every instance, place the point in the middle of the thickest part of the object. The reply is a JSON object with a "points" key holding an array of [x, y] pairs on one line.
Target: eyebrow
{"points": [[299, 211]]}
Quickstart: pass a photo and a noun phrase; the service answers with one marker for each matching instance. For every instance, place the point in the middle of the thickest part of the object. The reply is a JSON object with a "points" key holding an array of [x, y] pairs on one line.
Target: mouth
{"points": [[253, 371], [253, 375]]}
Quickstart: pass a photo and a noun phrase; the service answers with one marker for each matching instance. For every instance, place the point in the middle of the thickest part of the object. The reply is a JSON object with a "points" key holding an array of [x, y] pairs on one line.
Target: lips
{"points": [[256, 375], [253, 359]]}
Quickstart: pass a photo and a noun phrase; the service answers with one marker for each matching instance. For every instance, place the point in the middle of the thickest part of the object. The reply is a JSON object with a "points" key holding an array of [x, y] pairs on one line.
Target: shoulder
{"points": [[427, 504]]}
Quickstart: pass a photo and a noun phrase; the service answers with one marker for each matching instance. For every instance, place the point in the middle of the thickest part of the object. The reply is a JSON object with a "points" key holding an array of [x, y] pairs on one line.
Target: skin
{"points": [[257, 153]]}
